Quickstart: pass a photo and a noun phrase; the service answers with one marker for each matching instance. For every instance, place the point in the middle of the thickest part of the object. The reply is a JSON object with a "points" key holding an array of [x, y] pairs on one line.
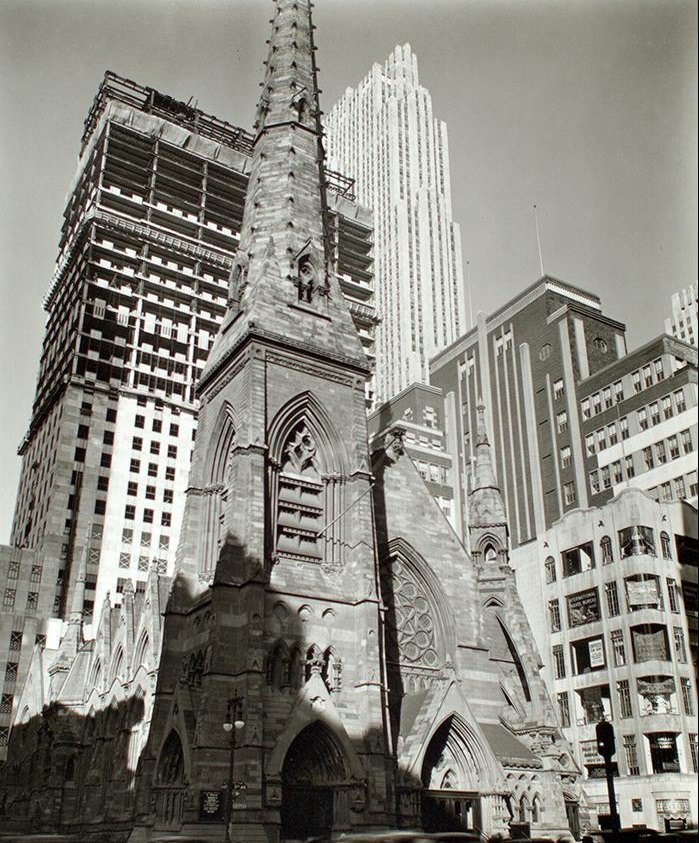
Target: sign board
{"points": [[583, 607], [596, 650], [211, 806]]}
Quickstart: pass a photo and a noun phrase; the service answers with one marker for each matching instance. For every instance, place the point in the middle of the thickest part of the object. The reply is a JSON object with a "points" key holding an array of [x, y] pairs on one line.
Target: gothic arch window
{"points": [[171, 766], [490, 555], [142, 652], [297, 666], [117, 664], [220, 472], [536, 809], [308, 470], [523, 809], [332, 670], [314, 661], [278, 666], [95, 676]]}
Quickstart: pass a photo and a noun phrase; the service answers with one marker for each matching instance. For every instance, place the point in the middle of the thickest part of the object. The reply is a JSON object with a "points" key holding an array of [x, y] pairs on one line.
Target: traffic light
{"points": [[605, 739]]}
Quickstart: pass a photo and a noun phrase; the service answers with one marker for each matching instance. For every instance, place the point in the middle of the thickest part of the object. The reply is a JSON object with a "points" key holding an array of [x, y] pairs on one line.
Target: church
{"points": [[328, 656]]}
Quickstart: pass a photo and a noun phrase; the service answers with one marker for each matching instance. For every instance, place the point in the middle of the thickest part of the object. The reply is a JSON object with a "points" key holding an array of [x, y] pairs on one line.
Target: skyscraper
{"points": [[384, 135], [683, 321], [140, 287]]}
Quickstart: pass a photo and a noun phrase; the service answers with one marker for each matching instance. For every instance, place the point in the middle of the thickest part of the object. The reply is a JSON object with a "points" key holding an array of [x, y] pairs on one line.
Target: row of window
{"points": [[150, 492], [602, 400], [10, 595], [148, 514], [643, 591], [137, 445], [140, 422], [135, 468], [649, 642], [636, 540], [14, 569]]}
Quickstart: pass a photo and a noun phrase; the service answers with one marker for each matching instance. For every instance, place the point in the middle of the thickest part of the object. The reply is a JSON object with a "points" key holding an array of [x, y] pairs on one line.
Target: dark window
{"points": [[135, 466], [130, 512], [108, 437], [83, 431], [16, 639], [103, 483], [111, 415], [649, 642], [148, 516], [150, 493], [100, 507], [559, 664], [605, 547], [155, 447], [153, 469], [166, 519], [137, 443], [563, 709], [140, 421], [172, 451], [170, 473], [578, 559], [106, 460], [132, 488], [157, 425], [174, 429], [79, 455], [168, 496], [583, 607], [636, 541]]}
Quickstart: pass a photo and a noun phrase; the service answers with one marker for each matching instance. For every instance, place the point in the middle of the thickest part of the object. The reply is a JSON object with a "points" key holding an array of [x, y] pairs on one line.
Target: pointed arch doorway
{"points": [[314, 778], [450, 775]]}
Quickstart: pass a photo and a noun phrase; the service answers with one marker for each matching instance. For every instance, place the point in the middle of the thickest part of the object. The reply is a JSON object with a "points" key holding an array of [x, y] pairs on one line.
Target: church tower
{"points": [[273, 623]]}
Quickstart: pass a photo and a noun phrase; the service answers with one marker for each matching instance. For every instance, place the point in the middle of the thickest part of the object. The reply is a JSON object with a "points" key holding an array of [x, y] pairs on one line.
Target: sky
{"points": [[586, 108]]}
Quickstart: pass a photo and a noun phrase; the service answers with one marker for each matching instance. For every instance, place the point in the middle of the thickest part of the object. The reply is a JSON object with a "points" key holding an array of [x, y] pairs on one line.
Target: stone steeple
{"points": [[283, 282], [485, 502]]}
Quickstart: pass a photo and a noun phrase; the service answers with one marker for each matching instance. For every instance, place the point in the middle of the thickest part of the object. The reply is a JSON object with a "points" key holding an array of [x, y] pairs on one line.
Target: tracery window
{"points": [[300, 501]]}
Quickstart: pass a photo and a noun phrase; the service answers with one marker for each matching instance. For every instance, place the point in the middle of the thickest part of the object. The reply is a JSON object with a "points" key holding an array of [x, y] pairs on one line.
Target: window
{"points": [[129, 512], [550, 569], [694, 749], [680, 489], [583, 607], [630, 470], [665, 547], [588, 655], [11, 672], [146, 539], [631, 755], [636, 378], [686, 440], [140, 421], [563, 709], [658, 369], [625, 709], [642, 416], [649, 642], [612, 593], [607, 397], [596, 404], [578, 559], [108, 437], [132, 488], [545, 351], [172, 452], [618, 391], [8, 600], [100, 507], [680, 648], [643, 592], [618, 648], [166, 519], [16, 639], [590, 444], [150, 493], [124, 559], [624, 427], [687, 698], [111, 415], [660, 453], [148, 516], [654, 413], [554, 616], [606, 551], [6, 704], [565, 456], [617, 474], [673, 447], [13, 571], [83, 431], [673, 596], [594, 482], [569, 493], [168, 496], [103, 484], [157, 425], [648, 458], [611, 433], [152, 469], [79, 455], [558, 389], [174, 429], [170, 472], [121, 584], [142, 563], [155, 447], [137, 443], [601, 439], [647, 375], [135, 466], [562, 421], [679, 401], [585, 408], [559, 664], [666, 403], [127, 535], [636, 541]]}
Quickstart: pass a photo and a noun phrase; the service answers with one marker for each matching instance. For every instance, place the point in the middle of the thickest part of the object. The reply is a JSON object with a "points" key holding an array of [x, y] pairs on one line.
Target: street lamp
{"points": [[232, 724]]}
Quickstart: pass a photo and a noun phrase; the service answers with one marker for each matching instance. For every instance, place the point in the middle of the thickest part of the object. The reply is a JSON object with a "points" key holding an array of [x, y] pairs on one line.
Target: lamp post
{"points": [[233, 723]]}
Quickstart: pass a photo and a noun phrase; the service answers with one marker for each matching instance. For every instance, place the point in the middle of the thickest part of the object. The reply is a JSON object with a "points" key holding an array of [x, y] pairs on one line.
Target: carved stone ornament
{"points": [[394, 447]]}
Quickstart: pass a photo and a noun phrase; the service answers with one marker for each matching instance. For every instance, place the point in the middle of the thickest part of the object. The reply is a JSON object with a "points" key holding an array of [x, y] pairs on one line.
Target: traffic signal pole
{"points": [[606, 746]]}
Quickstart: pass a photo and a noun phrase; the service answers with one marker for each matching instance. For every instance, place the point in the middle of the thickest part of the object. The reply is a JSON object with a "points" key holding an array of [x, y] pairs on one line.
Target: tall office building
{"points": [[140, 287], [384, 135], [683, 321]]}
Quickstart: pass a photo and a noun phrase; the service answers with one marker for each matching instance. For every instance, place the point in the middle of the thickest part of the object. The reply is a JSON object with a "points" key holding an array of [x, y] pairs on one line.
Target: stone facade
{"points": [[331, 656]]}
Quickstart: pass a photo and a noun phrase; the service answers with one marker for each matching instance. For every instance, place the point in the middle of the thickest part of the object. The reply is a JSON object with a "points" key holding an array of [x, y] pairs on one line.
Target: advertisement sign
{"points": [[596, 650], [583, 607], [211, 806], [643, 593]]}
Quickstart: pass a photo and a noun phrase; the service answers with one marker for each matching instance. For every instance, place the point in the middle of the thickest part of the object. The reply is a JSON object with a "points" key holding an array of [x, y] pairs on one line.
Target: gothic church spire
{"points": [[283, 283]]}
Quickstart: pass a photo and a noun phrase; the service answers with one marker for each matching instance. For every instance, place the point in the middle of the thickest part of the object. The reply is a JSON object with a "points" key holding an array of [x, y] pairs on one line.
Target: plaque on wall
{"points": [[211, 806]]}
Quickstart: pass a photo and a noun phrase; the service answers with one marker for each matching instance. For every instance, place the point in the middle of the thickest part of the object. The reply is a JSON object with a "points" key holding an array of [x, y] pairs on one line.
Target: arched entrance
{"points": [[450, 776], [313, 774]]}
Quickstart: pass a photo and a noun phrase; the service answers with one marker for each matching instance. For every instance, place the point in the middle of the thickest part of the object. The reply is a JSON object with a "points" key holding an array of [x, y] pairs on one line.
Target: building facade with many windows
{"points": [[141, 285], [383, 134], [683, 322], [611, 595]]}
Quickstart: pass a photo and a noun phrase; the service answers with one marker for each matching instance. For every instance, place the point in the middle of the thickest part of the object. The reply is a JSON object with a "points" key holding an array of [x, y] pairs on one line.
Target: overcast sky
{"points": [[585, 107]]}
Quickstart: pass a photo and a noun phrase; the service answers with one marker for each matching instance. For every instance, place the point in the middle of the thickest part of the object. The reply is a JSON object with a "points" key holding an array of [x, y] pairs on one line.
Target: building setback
{"points": [[683, 322], [384, 135], [140, 287], [611, 592], [524, 362], [324, 621]]}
